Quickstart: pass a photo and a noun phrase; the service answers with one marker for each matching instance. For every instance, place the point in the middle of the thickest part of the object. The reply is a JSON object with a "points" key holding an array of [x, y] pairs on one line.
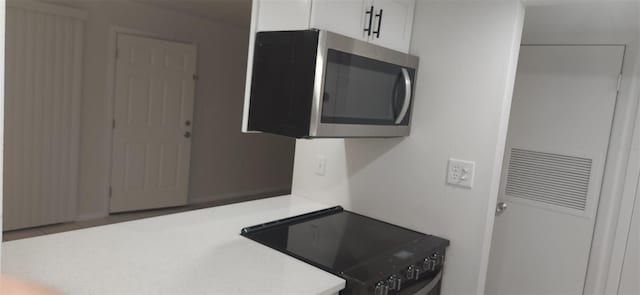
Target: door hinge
{"points": [[619, 82], [110, 192], [113, 124], [196, 77]]}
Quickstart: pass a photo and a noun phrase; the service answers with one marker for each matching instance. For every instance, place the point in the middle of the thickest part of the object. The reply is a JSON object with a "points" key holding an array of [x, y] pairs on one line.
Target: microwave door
{"points": [[364, 97], [363, 91]]}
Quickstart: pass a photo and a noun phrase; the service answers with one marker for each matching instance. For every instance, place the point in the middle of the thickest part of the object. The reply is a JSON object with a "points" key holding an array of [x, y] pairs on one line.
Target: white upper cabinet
{"points": [[280, 15], [351, 18], [387, 23], [393, 23]]}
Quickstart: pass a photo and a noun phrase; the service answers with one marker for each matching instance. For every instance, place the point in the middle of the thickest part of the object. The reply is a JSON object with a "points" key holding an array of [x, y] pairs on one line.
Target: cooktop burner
{"points": [[372, 255]]}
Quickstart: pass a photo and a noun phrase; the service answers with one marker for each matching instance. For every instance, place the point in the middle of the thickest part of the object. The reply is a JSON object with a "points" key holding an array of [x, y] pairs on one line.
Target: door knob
{"points": [[187, 134], [500, 208]]}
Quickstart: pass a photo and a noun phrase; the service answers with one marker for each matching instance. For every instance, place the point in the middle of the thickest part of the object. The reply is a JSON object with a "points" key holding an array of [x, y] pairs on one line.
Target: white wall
{"points": [[468, 54], [2, 31], [581, 22], [225, 163]]}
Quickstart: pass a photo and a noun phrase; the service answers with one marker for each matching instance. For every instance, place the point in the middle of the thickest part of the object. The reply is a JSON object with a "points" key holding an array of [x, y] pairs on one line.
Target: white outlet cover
{"points": [[460, 173]]}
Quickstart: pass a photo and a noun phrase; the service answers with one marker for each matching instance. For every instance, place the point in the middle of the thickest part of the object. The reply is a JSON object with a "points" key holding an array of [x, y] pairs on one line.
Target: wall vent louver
{"points": [[549, 178]]}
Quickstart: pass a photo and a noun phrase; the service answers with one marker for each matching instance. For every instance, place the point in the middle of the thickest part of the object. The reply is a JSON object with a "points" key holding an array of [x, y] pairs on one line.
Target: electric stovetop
{"points": [[353, 246]]}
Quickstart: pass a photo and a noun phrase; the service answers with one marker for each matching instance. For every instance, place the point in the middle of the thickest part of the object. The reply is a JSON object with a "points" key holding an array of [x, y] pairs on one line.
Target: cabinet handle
{"points": [[379, 16], [370, 13]]}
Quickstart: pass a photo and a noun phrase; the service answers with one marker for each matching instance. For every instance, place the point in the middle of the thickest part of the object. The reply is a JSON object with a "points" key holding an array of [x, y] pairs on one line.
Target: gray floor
{"points": [[114, 218]]}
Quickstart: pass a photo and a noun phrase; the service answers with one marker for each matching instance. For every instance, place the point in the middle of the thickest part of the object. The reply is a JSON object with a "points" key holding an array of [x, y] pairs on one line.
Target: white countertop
{"points": [[197, 251]]}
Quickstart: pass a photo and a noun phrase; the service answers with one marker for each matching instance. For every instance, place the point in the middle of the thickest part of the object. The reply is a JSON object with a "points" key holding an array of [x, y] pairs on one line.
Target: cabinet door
{"points": [[345, 17], [282, 15], [392, 23]]}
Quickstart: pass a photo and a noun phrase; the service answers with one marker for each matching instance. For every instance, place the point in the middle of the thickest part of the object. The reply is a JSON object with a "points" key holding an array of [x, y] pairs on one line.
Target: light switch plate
{"points": [[460, 173], [321, 165]]}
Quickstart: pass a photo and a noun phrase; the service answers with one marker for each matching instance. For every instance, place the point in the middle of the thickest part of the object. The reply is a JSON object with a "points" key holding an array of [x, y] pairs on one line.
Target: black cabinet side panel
{"points": [[282, 82]]}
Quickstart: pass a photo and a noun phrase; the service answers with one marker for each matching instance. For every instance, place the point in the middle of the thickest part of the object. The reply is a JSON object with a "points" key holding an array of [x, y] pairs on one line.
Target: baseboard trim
{"points": [[90, 216], [242, 196], [219, 199]]}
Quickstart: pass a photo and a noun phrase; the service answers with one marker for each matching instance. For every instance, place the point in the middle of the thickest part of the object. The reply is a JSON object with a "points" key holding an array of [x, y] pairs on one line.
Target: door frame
{"points": [[618, 231], [110, 92], [603, 273]]}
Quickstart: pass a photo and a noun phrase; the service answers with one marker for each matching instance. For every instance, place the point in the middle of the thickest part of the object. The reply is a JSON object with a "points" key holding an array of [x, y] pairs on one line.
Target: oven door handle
{"points": [[407, 96], [429, 287]]}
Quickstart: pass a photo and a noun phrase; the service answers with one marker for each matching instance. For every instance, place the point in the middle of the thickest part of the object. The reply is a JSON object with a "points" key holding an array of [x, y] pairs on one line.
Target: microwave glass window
{"points": [[359, 90]]}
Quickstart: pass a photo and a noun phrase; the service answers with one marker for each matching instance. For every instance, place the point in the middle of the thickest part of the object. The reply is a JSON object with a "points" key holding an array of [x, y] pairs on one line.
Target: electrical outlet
{"points": [[460, 173], [321, 165]]}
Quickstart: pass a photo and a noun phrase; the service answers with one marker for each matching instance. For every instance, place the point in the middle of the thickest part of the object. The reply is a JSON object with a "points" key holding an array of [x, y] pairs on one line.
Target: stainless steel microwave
{"points": [[314, 83]]}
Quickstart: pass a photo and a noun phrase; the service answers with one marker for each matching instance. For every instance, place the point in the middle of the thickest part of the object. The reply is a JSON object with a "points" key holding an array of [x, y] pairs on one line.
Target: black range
{"points": [[374, 257]]}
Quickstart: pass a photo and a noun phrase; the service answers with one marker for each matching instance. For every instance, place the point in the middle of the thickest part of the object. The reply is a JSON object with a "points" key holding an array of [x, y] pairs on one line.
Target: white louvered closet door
{"points": [[42, 113], [561, 118]]}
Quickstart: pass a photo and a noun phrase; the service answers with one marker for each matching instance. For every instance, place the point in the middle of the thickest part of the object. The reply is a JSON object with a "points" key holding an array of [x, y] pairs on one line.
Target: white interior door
{"points": [[559, 129], [42, 113], [154, 93]]}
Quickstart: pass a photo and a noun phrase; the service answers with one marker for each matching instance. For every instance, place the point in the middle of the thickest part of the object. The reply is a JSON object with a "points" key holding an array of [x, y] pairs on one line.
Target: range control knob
{"points": [[381, 288], [413, 272], [439, 258], [394, 283], [429, 264]]}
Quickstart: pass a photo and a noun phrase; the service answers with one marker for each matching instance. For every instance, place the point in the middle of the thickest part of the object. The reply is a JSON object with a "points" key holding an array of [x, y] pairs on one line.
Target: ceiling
{"points": [[234, 12]]}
